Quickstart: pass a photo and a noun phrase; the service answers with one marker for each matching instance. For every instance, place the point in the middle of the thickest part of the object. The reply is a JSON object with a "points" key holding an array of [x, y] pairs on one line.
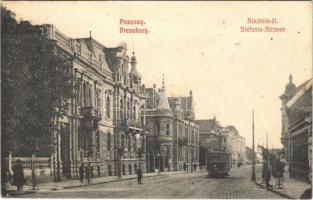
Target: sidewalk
{"points": [[292, 189], [44, 187]]}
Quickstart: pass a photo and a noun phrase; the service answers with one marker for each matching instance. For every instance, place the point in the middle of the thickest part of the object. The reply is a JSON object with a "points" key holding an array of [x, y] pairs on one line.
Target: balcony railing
{"points": [[90, 112]]}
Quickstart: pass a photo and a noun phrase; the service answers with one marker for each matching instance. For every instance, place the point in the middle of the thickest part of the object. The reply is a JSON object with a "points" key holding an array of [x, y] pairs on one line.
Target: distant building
{"points": [[173, 138], [235, 144], [214, 137], [297, 128]]}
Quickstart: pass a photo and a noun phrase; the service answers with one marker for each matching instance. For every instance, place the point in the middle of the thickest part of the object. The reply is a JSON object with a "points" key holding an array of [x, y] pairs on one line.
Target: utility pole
{"points": [[268, 152], [253, 162]]}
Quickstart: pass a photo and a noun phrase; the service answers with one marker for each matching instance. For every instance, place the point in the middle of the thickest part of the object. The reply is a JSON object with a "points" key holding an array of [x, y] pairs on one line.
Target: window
{"points": [[85, 94], [98, 141], [79, 92], [89, 96], [108, 107], [128, 109], [123, 141], [167, 129], [121, 109], [98, 99], [157, 128], [109, 142], [129, 143], [134, 112]]}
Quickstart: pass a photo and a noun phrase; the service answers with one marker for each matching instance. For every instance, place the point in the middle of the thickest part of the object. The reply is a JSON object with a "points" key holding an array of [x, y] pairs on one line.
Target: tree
{"points": [[36, 87]]}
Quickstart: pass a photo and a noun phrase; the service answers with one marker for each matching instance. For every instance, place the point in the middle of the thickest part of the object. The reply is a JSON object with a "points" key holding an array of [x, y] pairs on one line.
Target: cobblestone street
{"points": [[195, 185]]}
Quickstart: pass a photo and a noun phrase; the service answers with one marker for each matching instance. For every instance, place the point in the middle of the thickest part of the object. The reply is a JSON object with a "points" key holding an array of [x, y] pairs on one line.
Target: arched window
{"points": [[108, 107], [123, 141], [167, 129], [129, 143], [98, 98], [85, 94], [134, 112], [121, 109], [128, 109], [109, 142], [89, 95]]}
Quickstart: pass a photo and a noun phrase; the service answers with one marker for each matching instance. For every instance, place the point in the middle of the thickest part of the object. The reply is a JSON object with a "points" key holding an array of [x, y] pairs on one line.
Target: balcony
{"points": [[129, 124], [90, 112]]}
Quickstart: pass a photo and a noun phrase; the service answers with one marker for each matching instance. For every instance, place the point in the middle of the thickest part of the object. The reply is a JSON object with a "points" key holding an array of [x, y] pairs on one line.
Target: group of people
{"points": [[85, 173], [273, 168], [193, 166]]}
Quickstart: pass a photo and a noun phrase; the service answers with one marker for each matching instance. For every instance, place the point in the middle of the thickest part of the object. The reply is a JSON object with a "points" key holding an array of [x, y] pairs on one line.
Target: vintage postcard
{"points": [[156, 100]]}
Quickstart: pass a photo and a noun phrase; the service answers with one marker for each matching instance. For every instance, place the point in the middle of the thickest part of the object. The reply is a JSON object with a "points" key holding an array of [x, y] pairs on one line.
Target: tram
{"points": [[218, 164]]}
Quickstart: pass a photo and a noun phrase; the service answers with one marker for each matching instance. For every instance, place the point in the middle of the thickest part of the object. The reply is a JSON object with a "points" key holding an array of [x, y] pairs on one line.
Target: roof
{"points": [[96, 49], [300, 91], [231, 128], [207, 125]]}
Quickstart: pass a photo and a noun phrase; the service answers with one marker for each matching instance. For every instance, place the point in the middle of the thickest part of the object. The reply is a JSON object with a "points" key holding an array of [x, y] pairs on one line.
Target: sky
{"points": [[198, 46]]}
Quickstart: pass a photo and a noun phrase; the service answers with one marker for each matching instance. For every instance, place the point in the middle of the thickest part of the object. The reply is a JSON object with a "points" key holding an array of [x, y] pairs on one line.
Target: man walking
{"points": [[81, 172], [268, 178], [18, 175], [139, 175]]}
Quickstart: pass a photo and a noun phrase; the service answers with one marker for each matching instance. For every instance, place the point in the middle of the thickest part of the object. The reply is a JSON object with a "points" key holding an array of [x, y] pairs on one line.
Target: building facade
{"points": [[235, 144], [297, 129], [215, 137], [290, 90], [103, 126], [172, 139]]}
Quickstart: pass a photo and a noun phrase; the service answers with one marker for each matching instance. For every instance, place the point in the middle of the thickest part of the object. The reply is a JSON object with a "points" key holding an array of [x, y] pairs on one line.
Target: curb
{"points": [[276, 192], [14, 193]]}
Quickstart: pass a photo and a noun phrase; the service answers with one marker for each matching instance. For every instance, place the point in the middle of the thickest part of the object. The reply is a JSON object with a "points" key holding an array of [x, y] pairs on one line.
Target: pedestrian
{"points": [[4, 178], [18, 175], [81, 172], [139, 175], [268, 178], [185, 166], [88, 173], [194, 166]]}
